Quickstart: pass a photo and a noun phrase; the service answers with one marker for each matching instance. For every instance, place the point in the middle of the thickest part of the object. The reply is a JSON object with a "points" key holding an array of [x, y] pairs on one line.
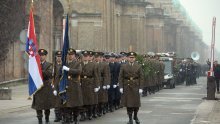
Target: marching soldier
{"points": [[130, 81], [113, 83], [117, 100], [95, 105], [43, 99], [74, 92], [56, 81], [89, 82], [104, 73]]}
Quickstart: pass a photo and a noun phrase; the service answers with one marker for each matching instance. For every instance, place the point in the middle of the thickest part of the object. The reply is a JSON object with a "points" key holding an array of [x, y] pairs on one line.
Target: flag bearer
{"points": [[43, 99], [73, 90]]}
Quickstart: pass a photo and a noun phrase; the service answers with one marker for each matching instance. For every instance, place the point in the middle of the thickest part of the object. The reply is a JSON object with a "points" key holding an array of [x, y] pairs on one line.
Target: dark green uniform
{"points": [[131, 81], [44, 98]]}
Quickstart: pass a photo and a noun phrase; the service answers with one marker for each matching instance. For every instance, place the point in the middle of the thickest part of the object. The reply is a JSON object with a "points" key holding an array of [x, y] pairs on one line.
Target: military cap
{"points": [[101, 53], [42, 52], [113, 55], [123, 53], [91, 53], [131, 54], [107, 55], [71, 51], [85, 52], [58, 53], [96, 54]]}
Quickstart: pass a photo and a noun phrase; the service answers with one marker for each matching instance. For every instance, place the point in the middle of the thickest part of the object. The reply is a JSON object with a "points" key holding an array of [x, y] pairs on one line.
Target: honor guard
{"points": [[89, 83], [74, 92], [43, 99], [56, 80], [104, 73]]}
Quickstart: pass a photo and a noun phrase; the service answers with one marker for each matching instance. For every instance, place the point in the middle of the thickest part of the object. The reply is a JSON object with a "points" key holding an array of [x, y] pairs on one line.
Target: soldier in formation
{"points": [[55, 85], [43, 99]]}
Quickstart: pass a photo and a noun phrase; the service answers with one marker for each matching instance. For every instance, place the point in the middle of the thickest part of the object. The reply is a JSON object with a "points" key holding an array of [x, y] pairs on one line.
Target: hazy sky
{"points": [[202, 12]]}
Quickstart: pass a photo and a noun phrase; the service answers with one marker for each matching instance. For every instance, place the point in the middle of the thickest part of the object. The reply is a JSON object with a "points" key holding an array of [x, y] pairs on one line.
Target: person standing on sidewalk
{"points": [[217, 74], [43, 99], [131, 79]]}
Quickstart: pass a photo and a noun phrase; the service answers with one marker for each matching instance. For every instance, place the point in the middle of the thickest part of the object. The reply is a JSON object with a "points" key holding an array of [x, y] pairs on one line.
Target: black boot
{"points": [[130, 119], [82, 116], [94, 113], [76, 120], [136, 118], [39, 120], [57, 117], [39, 116], [47, 119]]}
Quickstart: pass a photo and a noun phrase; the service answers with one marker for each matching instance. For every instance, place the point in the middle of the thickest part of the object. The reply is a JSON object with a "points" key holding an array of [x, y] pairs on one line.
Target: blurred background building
{"points": [[101, 25]]}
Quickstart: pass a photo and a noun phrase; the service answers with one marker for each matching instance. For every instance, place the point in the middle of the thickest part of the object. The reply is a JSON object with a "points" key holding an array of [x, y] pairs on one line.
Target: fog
{"points": [[202, 12]]}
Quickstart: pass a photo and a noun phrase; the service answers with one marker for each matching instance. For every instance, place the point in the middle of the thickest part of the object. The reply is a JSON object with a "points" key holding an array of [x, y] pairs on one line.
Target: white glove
{"points": [[108, 86], [104, 87], [96, 90], [55, 93], [114, 86], [121, 90], [140, 91], [65, 68]]}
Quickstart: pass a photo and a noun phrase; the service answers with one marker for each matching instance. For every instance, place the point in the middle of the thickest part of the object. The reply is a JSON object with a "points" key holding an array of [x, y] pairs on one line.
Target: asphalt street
{"points": [[168, 106]]}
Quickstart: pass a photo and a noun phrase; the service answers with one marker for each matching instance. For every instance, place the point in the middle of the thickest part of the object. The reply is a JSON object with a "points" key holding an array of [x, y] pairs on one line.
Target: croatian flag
{"points": [[35, 78]]}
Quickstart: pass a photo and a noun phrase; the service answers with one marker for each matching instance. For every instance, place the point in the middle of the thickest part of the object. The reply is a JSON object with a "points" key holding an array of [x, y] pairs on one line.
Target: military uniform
{"points": [[73, 91], [131, 83], [89, 84], [104, 73], [43, 99], [113, 84], [56, 81]]}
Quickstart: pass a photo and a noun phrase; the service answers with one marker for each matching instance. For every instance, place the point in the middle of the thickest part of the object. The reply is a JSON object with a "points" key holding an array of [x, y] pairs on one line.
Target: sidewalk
{"points": [[19, 100], [208, 112]]}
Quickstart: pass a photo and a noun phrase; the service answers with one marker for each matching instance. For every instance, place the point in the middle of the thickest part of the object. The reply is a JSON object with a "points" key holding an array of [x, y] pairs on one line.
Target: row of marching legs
{"points": [[77, 114]]}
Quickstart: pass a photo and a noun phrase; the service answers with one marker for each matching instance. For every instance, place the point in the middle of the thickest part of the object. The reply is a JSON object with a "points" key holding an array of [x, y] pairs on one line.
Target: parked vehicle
{"points": [[169, 81]]}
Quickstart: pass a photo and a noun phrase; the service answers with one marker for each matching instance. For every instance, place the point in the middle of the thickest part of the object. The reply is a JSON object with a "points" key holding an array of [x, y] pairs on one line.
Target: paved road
{"points": [[168, 106]]}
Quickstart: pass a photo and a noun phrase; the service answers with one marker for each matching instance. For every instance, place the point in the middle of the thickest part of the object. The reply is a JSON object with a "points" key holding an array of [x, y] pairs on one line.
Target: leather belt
{"points": [[131, 78], [86, 76]]}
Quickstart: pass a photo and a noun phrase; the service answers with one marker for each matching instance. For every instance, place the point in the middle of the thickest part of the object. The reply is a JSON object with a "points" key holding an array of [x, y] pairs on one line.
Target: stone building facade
{"points": [[106, 25]]}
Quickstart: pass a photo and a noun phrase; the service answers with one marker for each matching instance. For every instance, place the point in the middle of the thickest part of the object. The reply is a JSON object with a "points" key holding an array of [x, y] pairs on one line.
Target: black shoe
{"points": [[111, 110], [76, 121], [94, 116], [90, 117], [40, 121], [83, 117], [130, 122], [47, 119], [57, 120], [137, 120]]}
